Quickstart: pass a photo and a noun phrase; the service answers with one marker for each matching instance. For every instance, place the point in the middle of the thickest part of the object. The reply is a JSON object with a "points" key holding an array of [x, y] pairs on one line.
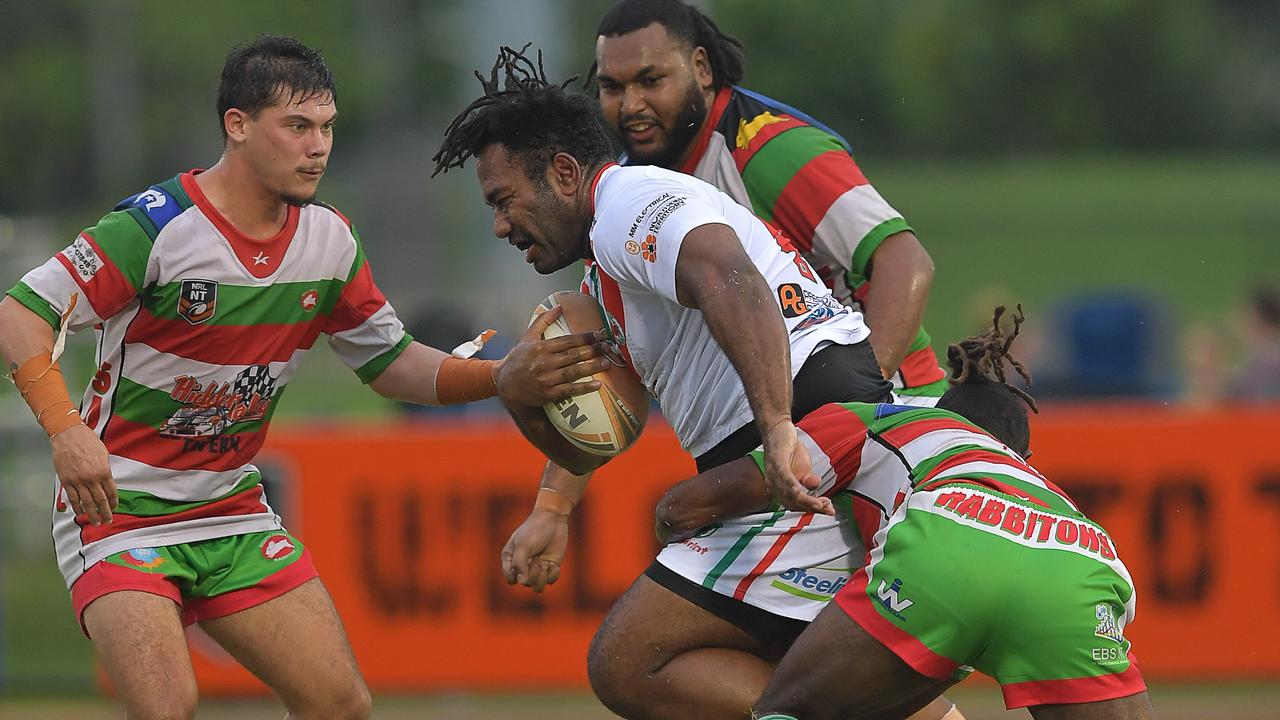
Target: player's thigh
{"points": [[140, 642], [649, 625], [836, 669], [295, 643], [1133, 707]]}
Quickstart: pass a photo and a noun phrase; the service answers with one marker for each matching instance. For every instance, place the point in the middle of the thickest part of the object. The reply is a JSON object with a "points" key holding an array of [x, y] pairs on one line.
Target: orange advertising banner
{"points": [[406, 524]]}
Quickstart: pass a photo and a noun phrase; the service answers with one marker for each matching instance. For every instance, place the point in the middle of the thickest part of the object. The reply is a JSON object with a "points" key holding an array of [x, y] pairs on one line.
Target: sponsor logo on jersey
{"points": [[632, 247], [150, 199], [891, 598], [208, 409], [635, 225], [83, 258], [277, 547], [309, 299], [668, 208], [1109, 626], [1042, 528], [197, 300], [811, 581], [143, 557], [791, 298], [649, 248]]}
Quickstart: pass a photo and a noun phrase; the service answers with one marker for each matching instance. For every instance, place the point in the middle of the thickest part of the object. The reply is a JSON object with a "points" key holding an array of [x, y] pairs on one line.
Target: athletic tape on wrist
{"points": [[459, 381], [553, 500]]}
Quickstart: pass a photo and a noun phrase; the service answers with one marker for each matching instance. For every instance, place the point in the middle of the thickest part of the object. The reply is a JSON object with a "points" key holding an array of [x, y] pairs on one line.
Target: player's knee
{"points": [[352, 703], [170, 707], [610, 671]]}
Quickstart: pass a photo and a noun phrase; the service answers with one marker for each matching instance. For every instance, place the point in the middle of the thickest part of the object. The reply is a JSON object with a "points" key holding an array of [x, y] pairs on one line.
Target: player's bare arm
{"points": [[534, 372], [901, 273], [534, 552], [79, 457], [730, 490], [715, 276]]}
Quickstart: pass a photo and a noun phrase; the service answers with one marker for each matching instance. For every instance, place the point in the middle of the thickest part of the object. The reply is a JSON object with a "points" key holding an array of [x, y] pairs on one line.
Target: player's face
{"points": [[287, 146], [530, 215], [654, 93]]}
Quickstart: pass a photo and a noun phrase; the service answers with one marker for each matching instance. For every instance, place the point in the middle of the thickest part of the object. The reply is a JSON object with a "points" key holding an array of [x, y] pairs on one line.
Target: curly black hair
{"points": [[979, 389], [533, 118]]}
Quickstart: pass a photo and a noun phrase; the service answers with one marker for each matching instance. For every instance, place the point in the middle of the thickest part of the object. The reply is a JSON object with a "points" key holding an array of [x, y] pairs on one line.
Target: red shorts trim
{"points": [[199, 609], [104, 578], [853, 599], [1075, 690]]}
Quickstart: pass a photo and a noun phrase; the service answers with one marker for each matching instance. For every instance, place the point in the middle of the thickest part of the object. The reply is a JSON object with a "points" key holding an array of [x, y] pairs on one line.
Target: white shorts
{"points": [[786, 563]]}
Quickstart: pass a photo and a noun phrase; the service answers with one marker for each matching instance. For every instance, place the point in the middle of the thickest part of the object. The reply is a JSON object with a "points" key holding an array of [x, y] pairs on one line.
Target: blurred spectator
{"points": [[1111, 343], [1258, 376]]}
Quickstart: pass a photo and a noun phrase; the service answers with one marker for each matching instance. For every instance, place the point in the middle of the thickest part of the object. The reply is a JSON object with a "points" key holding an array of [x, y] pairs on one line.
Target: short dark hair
{"points": [[685, 23], [979, 392], [529, 116], [257, 74]]}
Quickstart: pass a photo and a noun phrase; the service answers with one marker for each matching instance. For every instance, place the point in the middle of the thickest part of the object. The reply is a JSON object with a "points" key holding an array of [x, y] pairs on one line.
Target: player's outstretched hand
{"points": [[788, 472], [533, 555], [80, 460], [536, 371]]}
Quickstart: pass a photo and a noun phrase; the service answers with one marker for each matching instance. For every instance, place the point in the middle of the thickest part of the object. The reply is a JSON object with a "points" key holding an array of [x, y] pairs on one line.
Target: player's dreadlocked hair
{"points": [[532, 118], [256, 75], [684, 23], [979, 390]]}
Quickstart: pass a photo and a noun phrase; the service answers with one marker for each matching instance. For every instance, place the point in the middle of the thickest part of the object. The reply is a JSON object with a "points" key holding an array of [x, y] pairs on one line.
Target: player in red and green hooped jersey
{"points": [[975, 561], [667, 84], [205, 291]]}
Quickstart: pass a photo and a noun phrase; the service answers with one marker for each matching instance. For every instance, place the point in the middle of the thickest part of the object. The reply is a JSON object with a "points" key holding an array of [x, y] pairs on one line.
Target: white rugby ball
{"points": [[607, 421]]}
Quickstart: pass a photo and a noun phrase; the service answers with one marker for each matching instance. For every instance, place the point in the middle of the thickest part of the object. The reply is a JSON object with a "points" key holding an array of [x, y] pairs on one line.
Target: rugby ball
{"points": [[607, 421]]}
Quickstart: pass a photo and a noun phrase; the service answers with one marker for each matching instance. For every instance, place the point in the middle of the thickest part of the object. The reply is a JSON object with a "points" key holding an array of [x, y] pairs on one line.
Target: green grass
{"points": [[1195, 232]]}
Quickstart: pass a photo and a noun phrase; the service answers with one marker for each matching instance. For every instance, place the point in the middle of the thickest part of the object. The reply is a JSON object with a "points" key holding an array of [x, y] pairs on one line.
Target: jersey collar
{"points": [[708, 126], [260, 258]]}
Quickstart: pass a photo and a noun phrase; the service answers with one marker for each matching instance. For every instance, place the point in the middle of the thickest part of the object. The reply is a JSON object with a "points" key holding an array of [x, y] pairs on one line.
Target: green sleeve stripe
{"points": [[144, 222], [771, 169], [173, 186], [857, 274], [126, 242], [372, 369], [36, 304]]}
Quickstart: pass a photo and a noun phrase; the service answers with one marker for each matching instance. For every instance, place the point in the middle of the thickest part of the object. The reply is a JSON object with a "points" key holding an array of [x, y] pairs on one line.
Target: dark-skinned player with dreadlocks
{"points": [[976, 560], [727, 327]]}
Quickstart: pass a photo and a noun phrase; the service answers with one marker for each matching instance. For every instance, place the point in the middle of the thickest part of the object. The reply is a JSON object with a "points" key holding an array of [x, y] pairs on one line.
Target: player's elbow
{"points": [[674, 519]]}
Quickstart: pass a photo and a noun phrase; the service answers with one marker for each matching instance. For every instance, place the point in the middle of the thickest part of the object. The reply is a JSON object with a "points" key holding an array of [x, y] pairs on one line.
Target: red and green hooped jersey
{"points": [[878, 453], [800, 176], [199, 329]]}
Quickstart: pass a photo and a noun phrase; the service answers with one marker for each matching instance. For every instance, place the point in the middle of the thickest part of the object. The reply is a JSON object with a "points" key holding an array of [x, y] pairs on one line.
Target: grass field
{"points": [[1194, 702]]}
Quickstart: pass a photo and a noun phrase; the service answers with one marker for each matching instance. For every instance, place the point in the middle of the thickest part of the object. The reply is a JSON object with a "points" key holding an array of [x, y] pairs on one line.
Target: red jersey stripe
{"points": [[1075, 690], [853, 599], [359, 300], [811, 192], [920, 368], [708, 126], [913, 430], [840, 433], [216, 453], [741, 156], [108, 290], [222, 344], [248, 502]]}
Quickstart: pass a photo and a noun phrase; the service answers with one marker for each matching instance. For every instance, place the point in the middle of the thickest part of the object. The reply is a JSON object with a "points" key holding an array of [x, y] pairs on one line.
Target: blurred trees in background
{"points": [[910, 77]]}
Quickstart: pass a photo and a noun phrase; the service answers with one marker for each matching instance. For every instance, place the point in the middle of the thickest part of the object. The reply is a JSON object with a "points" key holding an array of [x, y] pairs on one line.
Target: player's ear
{"points": [[701, 64], [234, 120], [566, 173]]}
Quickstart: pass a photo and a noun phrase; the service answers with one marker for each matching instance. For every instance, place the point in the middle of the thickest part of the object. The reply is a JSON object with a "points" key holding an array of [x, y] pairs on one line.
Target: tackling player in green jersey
{"points": [[976, 561]]}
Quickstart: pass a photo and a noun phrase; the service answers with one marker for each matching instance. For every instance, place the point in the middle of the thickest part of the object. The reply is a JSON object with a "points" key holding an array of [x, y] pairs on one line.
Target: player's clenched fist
{"points": [[535, 550], [80, 460], [536, 371]]}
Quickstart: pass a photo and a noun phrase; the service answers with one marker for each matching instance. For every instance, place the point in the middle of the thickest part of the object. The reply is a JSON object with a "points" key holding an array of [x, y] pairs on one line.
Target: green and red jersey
{"points": [[199, 329], [800, 176]]}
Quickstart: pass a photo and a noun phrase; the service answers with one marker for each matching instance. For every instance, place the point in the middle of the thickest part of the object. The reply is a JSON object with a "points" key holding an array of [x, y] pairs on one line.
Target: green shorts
{"points": [[967, 576], [207, 579]]}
